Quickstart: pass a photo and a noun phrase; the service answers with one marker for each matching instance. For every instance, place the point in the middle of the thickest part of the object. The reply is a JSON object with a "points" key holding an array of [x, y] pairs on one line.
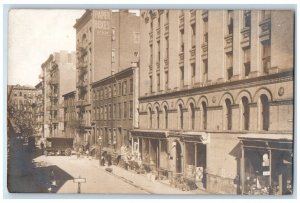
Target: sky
{"points": [[33, 36]]}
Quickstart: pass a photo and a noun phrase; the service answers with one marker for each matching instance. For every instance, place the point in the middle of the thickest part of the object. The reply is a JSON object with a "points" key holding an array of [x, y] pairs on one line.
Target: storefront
{"points": [[267, 163]]}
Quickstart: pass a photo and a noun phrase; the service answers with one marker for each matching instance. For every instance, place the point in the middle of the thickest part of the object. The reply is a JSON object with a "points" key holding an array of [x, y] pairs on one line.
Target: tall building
{"points": [[115, 113], [216, 98], [70, 116], [107, 42], [39, 110], [59, 77]]}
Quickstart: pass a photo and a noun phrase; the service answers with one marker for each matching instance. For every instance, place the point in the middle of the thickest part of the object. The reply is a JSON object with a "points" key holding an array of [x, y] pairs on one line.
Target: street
{"points": [[67, 168]]}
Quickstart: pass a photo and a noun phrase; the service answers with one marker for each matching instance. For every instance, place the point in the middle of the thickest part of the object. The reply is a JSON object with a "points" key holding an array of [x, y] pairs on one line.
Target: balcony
{"points": [[245, 34], [166, 29], [181, 57], [228, 43], [181, 21], [166, 60], [265, 29], [157, 66], [150, 68], [81, 83], [192, 54], [204, 49], [193, 16], [157, 33], [81, 103], [151, 37]]}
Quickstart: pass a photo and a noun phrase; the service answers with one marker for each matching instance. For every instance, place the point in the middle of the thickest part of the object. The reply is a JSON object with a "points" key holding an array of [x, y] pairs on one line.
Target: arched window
{"points": [[166, 116], [180, 116], [204, 115], [157, 117], [150, 117], [246, 113], [228, 114], [264, 112], [192, 116]]}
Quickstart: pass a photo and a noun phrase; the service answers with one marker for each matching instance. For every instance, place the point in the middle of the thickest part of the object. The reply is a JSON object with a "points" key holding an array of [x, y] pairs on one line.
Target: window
{"points": [[120, 111], [157, 117], [193, 71], [150, 117], [228, 114], [158, 52], [205, 30], [101, 112], [166, 80], [113, 34], [246, 111], [230, 22], [136, 37], [193, 32], [151, 83], [125, 109], [166, 116], [205, 70], [151, 55], [105, 112], [182, 40], [204, 115], [266, 56], [115, 90], [181, 76], [167, 16], [229, 65], [131, 109], [120, 89], [124, 88], [158, 82], [247, 61], [264, 112], [113, 55], [180, 116], [192, 116], [247, 19], [167, 48], [131, 85]]}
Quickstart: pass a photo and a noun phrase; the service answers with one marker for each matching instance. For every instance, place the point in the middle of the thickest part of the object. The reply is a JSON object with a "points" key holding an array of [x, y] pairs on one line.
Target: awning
{"points": [[152, 134], [191, 136], [266, 136]]}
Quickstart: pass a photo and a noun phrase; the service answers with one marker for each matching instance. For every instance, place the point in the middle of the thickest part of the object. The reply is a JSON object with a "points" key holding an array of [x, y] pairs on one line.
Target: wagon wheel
{"points": [[68, 152]]}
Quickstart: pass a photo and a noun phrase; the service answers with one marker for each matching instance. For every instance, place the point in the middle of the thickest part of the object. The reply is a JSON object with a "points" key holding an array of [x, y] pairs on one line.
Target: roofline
{"points": [[81, 19]]}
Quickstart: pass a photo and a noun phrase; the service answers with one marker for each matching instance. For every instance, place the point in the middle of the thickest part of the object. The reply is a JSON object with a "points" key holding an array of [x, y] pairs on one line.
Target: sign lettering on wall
{"points": [[102, 22]]}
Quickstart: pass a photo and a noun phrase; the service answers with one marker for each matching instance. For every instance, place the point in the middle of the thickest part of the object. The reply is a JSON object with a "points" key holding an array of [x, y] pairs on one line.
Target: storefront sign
{"points": [[102, 22]]}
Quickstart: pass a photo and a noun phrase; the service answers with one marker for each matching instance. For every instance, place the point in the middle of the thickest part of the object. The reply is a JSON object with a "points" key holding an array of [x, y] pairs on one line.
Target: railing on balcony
{"points": [[181, 57], [181, 21], [166, 29], [192, 53], [166, 60], [150, 68], [265, 29], [204, 48], [245, 34], [81, 103], [157, 66], [151, 37], [228, 42], [193, 16], [158, 33]]}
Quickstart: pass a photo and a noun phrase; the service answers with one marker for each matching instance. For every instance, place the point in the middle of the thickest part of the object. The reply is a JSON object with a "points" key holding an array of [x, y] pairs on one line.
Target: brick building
{"points": [[39, 110], [106, 43], [70, 117], [216, 97], [115, 110], [59, 77]]}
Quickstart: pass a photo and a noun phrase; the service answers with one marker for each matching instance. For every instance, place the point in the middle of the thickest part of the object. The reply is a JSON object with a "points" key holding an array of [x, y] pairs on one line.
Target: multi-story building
{"points": [[39, 110], [107, 42], [59, 77], [70, 117], [216, 97], [115, 114]]}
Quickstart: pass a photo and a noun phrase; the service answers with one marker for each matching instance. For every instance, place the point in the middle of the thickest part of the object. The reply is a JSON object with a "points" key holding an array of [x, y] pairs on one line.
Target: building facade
{"points": [[106, 43], [216, 98], [39, 110], [59, 77], [70, 116], [115, 114]]}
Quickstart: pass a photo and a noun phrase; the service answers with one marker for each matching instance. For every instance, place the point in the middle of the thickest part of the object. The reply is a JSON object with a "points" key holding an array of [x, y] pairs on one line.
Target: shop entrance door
{"points": [[178, 158]]}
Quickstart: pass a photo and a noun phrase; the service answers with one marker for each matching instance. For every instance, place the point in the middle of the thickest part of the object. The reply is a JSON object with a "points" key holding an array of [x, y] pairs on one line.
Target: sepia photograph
{"points": [[166, 101]]}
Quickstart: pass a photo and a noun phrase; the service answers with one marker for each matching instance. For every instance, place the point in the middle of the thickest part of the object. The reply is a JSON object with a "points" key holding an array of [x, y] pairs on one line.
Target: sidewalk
{"points": [[141, 181]]}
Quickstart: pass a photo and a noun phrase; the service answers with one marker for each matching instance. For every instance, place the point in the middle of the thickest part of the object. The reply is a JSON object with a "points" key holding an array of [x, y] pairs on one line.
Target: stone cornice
{"points": [[239, 84]]}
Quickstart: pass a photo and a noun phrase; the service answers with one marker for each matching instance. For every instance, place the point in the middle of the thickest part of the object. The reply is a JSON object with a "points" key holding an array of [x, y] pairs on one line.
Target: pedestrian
{"points": [[42, 145], [87, 153]]}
